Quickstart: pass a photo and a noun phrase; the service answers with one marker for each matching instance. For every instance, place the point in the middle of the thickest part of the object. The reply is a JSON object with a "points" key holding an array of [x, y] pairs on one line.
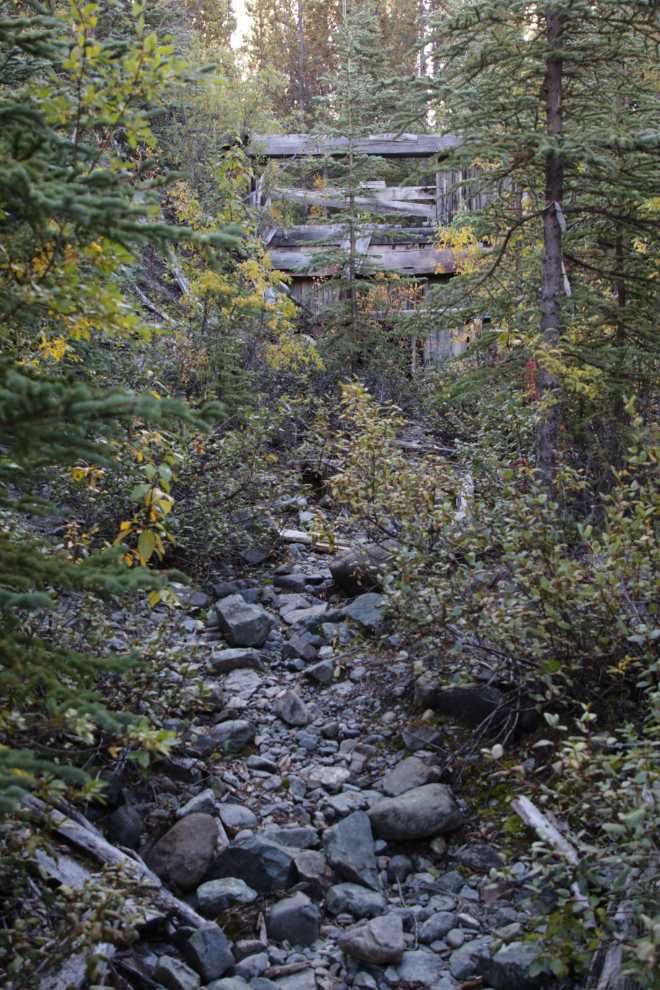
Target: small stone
{"points": [[224, 661], [243, 682], [209, 952], [236, 816], [421, 737], [252, 966], [379, 942], [228, 983], [439, 847], [509, 933], [261, 763], [349, 847], [330, 730], [174, 975], [125, 827], [184, 854], [292, 709], [302, 837], [350, 898], [322, 672], [260, 863], [455, 938], [299, 649], [203, 804], [399, 868], [437, 927], [408, 774], [312, 869], [294, 920], [415, 814], [329, 778], [481, 858], [218, 895], [290, 582], [230, 736]]}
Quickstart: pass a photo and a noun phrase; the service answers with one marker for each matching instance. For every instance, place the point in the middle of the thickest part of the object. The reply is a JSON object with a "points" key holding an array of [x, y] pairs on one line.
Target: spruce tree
{"points": [[556, 107], [75, 102]]}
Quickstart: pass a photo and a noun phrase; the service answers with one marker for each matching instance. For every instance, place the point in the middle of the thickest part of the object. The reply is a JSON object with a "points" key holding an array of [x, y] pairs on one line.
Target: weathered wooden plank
{"points": [[384, 145], [414, 260], [332, 198], [333, 234]]}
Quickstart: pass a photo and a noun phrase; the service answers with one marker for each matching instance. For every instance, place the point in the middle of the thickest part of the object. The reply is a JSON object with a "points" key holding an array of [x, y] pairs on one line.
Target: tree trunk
{"points": [[551, 270], [301, 66], [422, 32]]}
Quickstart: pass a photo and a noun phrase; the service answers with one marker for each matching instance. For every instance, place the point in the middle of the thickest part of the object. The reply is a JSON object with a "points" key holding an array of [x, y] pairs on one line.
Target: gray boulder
{"points": [[302, 837], [322, 672], [224, 661], [290, 582], [349, 847], [260, 863], [202, 804], [174, 974], [378, 942], [221, 589], [509, 968], [350, 898], [209, 952], [294, 920], [184, 854], [306, 618], [426, 692], [292, 709], [230, 736], [298, 649], [416, 814], [474, 705], [359, 571], [228, 983], [125, 827], [367, 610], [236, 817], [243, 682], [243, 624], [436, 927], [399, 867], [312, 870], [408, 774], [252, 966], [420, 966], [218, 895], [420, 737]]}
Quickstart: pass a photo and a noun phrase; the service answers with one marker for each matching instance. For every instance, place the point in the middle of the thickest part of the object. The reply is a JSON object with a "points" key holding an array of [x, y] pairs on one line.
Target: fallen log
{"points": [[299, 536], [103, 851]]}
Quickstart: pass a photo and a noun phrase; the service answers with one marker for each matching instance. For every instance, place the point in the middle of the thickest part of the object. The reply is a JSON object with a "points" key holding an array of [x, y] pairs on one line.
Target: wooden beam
{"points": [[412, 261], [374, 203], [384, 145], [334, 233]]}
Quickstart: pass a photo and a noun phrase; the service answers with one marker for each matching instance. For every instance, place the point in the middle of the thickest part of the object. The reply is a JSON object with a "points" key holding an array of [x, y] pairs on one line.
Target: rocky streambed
{"points": [[304, 819]]}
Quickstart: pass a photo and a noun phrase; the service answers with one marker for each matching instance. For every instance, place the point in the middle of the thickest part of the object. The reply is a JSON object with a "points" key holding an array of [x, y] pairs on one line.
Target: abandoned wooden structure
{"points": [[410, 250]]}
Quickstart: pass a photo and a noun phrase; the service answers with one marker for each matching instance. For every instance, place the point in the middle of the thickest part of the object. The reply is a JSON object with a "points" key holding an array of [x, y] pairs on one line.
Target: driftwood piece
{"points": [[103, 851], [274, 971], [299, 536]]}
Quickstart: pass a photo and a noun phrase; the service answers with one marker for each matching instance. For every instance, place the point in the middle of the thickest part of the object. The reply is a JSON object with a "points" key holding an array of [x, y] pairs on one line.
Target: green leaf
{"points": [[146, 544], [139, 492]]}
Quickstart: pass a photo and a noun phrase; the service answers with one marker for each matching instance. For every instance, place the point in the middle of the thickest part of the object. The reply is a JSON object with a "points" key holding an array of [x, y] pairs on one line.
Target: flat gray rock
{"points": [[289, 603], [218, 895], [436, 927], [301, 837], [408, 774], [243, 624], [184, 854], [420, 966], [322, 672], [418, 813], [224, 661], [260, 863], [379, 941], [351, 898], [251, 967], [482, 858], [509, 968], [292, 709], [367, 610], [305, 615], [294, 920], [203, 803], [349, 847], [236, 817], [243, 682], [175, 975], [230, 736]]}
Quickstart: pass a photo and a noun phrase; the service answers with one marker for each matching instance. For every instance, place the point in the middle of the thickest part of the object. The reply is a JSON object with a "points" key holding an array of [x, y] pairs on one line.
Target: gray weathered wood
{"points": [[384, 145], [425, 260], [294, 236], [373, 203]]}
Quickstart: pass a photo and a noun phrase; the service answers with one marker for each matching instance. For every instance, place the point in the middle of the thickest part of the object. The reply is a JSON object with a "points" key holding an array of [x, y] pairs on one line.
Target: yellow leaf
{"points": [[146, 545]]}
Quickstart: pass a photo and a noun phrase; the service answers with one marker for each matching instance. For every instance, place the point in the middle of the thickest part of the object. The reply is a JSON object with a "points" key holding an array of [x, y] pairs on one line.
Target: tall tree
{"points": [[556, 107]]}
